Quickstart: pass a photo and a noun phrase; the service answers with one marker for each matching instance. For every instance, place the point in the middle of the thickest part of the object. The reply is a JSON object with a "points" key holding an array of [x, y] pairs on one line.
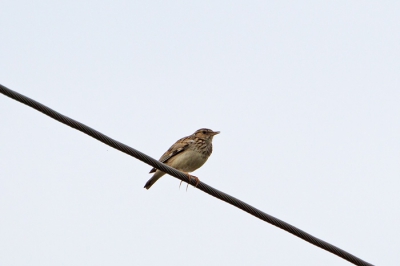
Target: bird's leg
{"points": [[190, 177], [194, 177]]}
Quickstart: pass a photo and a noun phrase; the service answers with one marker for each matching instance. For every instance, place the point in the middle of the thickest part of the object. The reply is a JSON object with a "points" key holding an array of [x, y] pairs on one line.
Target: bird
{"points": [[186, 155]]}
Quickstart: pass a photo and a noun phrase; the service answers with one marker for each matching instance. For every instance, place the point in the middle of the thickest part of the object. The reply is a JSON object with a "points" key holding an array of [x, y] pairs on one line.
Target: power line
{"points": [[165, 168]]}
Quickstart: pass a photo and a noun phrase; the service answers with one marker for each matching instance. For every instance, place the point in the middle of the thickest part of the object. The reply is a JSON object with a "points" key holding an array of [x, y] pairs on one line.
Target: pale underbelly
{"points": [[188, 161]]}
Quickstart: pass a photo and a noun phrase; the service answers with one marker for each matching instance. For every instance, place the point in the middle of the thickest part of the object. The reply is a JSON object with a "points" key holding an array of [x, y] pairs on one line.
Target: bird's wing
{"points": [[178, 147]]}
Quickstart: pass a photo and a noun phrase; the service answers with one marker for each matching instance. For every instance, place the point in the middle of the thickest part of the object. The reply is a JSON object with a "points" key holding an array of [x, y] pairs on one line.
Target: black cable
{"points": [[165, 168]]}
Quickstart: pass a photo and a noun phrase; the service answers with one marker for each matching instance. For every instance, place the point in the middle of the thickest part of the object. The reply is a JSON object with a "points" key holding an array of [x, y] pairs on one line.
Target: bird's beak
{"points": [[215, 133]]}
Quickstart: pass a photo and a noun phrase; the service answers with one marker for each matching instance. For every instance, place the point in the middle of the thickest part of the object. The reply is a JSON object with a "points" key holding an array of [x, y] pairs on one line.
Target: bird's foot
{"points": [[194, 177], [181, 184], [190, 177]]}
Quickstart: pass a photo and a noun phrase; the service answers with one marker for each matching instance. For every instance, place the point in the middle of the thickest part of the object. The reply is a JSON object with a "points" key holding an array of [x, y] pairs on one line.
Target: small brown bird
{"points": [[187, 154]]}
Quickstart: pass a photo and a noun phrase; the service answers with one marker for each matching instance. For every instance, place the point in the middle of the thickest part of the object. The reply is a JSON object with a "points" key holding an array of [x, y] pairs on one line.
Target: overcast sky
{"points": [[306, 96]]}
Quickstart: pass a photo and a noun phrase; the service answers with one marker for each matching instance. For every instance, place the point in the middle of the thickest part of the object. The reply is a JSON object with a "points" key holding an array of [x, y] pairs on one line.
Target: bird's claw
{"points": [[190, 177]]}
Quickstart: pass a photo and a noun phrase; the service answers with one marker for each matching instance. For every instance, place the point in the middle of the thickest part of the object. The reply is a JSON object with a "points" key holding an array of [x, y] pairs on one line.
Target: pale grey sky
{"points": [[305, 94]]}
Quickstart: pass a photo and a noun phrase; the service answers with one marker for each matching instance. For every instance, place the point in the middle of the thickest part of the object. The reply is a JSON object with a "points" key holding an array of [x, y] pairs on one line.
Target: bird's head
{"points": [[205, 133]]}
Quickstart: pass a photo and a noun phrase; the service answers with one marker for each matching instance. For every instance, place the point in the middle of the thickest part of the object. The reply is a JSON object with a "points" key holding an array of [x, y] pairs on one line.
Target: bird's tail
{"points": [[154, 179]]}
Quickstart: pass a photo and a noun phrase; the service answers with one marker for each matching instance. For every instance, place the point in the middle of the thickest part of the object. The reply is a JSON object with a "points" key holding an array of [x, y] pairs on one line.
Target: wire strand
{"points": [[171, 171]]}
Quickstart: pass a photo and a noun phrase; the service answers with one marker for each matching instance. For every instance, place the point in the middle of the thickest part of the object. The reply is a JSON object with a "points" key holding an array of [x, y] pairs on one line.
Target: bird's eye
{"points": [[204, 132]]}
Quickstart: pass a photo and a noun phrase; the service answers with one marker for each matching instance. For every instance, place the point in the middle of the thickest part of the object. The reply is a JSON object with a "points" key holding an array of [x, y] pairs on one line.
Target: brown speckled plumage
{"points": [[187, 154]]}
